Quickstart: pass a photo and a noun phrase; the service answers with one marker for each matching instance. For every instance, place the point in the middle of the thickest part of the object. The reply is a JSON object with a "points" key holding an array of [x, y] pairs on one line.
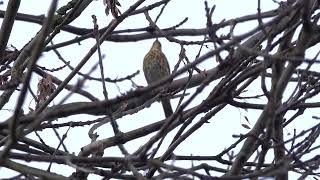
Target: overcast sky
{"points": [[122, 59]]}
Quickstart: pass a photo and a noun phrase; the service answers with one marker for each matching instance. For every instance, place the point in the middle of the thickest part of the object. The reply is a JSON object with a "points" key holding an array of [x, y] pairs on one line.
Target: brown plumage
{"points": [[155, 68]]}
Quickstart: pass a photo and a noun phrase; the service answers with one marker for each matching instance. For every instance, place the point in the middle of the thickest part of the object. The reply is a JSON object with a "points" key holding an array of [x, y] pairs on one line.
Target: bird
{"points": [[155, 68]]}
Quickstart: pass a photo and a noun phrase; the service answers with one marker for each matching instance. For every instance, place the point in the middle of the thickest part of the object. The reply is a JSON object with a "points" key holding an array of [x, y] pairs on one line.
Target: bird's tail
{"points": [[167, 107]]}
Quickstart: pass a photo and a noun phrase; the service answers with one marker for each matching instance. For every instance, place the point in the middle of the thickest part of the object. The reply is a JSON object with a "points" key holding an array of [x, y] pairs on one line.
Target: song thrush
{"points": [[155, 68]]}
